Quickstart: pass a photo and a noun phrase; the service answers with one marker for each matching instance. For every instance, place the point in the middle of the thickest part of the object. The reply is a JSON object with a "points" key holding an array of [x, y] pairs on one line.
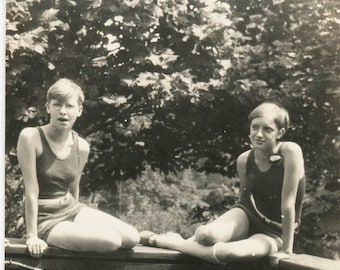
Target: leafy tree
{"points": [[169, 84]]}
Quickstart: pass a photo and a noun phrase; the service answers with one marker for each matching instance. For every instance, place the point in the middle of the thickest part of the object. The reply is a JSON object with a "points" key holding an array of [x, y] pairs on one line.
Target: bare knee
{"points": [[131, 238], [205, 235], [109, 242], [221, 253]]}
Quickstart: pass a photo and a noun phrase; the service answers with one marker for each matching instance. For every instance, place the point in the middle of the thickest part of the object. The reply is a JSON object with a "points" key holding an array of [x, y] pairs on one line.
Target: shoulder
{"points": [[242, 158], [241, 164], [29, 135], [29, 140], [84, 149], [84, 146], [290, 148]]}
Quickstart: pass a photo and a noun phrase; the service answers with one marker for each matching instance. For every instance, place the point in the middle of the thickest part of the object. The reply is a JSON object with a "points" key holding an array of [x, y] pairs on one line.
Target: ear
{"points": [[281, 133], [80, 111]]}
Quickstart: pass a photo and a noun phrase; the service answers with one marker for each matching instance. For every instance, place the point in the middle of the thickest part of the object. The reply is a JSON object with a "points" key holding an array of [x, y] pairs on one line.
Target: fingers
{"points": [[36, 247], [37, 251]]}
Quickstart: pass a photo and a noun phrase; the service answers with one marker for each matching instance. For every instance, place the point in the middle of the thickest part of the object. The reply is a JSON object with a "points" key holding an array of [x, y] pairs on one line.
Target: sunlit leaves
{"points": [[163, 59], [34, 40], [27, 114], [131, 3], [116, 100], [17, 11]]}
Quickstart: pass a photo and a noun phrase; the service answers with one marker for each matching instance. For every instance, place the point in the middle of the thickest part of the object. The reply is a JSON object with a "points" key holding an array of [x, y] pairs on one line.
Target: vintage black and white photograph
{"points": [[171, 134]]}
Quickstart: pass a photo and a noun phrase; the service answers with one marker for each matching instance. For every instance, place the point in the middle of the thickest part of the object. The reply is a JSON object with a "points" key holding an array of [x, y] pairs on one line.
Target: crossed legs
{"points": [[225, 239], [93, 230]]}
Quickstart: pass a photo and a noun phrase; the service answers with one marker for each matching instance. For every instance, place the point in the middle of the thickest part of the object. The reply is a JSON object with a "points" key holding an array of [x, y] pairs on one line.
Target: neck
{"points": [[262, 155], [57, 135], [265, 153]]}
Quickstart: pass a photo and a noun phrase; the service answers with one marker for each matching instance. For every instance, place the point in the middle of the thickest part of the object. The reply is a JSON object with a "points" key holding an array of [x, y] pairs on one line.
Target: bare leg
{"points": [[256, 246], [189, 246], [93, 230], [232, 225], [94, 217], [69, 235]]}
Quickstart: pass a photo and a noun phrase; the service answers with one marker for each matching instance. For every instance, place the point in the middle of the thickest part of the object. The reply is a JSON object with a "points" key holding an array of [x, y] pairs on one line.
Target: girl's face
{"points": [[264, 133], [63, 114]]}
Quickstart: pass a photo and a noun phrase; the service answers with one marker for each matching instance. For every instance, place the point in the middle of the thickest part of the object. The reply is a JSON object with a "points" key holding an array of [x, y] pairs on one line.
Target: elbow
{"points": [[287, 205], [31, 190], [288, 210], [31, 197]]}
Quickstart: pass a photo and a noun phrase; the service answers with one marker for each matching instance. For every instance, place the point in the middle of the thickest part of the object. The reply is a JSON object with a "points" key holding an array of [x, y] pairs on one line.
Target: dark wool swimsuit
{"points": [[54, 178], [262, 198]]}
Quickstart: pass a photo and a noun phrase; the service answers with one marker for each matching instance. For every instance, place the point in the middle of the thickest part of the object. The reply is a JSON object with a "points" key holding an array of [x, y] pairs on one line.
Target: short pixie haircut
{"points": [[280, 114], [63, 89]]}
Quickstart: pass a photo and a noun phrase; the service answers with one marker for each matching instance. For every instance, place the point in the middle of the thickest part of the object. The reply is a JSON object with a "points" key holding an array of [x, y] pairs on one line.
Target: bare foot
{"points": [[169, 240], [145, 237]]}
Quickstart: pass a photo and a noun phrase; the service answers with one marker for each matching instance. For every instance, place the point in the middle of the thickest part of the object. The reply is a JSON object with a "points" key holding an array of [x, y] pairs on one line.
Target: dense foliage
{"points": [[169, 84]]}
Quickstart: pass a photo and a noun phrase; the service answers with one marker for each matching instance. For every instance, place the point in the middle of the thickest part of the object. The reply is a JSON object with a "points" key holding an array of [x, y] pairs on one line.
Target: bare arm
{"points": [[293, 172], [241, 171], [27, 160], [27, 152]]}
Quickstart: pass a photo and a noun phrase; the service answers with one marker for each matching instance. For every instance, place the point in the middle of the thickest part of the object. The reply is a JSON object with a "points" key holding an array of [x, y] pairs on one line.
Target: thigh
{"points": [[81, 237], [96, 217], [232, 225], [274, 243], [234, 215]]}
